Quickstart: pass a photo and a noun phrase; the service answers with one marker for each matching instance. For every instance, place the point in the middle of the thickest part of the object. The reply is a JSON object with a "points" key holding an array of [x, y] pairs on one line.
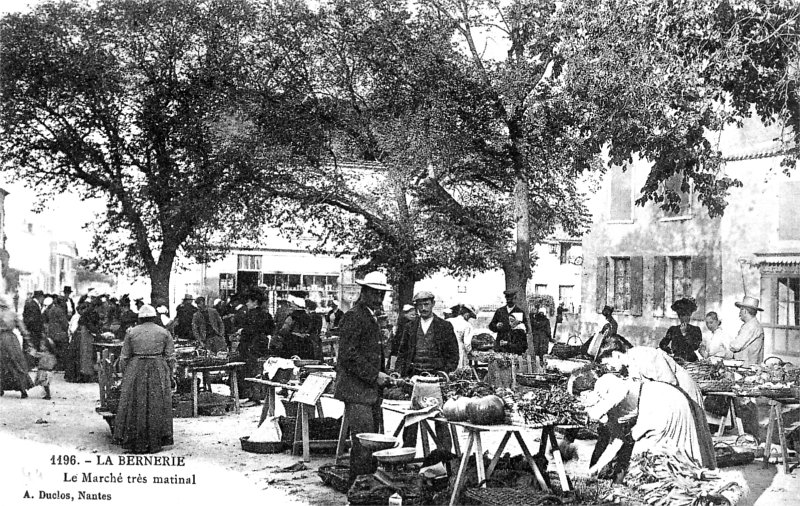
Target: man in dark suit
{"points": [[428, 344], [359, 369], [511, 336], [33, 319], [334, 316], [69, 303]]}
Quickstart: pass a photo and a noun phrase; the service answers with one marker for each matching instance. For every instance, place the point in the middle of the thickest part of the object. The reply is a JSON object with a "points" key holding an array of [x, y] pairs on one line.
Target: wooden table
{"points": [[776, 423], [425, 429], [730, 412], [548, 436], [303, 411], [230, 367]]}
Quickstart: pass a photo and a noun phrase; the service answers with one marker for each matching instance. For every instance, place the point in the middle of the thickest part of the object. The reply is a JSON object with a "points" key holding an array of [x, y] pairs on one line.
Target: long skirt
{"points": [[13, 366], [79, 358], [668, 420], [144, 418]]}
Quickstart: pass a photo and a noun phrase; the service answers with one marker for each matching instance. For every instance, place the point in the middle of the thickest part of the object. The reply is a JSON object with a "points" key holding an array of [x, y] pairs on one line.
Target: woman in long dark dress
{"points": [[683, 340], [13, 366], [144, 418]]}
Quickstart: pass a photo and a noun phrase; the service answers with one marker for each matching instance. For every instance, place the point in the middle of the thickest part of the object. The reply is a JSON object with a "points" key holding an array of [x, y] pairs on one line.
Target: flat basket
{"points": [[336, 477], [261, 447]]}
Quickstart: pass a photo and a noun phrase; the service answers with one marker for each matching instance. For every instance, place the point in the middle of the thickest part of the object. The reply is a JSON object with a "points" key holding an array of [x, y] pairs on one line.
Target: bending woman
{"points": [[664, 421], [147, 361]]}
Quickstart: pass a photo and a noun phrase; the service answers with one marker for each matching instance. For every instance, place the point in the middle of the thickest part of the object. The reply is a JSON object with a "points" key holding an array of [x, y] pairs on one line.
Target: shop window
{"points": [[780, 295], [621, 198], [249, 262], [788, 300]]}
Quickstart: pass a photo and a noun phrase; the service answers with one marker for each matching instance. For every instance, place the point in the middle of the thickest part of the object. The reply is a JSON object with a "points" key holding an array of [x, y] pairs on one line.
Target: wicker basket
{"points": [[336, 477], [715, 385], [261, 447]]}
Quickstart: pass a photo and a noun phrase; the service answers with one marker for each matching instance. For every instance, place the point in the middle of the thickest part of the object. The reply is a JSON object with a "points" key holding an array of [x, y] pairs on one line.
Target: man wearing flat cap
{"points": [[512, 326], [683, 340], [428, 344], [748, 345], [360, 369]]}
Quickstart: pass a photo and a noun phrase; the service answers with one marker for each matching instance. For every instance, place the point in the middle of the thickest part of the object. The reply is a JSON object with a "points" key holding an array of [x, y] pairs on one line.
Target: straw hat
{"points": [[376, 280], [749, 302]]}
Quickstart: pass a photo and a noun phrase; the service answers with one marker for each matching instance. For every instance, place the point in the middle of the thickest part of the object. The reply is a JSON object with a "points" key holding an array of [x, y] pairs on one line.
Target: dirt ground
{"points": [[34, 432]]}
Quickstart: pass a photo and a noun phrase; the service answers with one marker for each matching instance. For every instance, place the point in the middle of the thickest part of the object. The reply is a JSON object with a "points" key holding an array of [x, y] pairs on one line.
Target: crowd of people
{"points": [[645, 399]]}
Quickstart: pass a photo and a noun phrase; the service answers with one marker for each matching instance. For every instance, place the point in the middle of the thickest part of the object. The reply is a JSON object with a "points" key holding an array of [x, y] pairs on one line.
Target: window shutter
{"points": [[699, 284], [768, 299], [659, 288], [637, 270], [601, 289]]}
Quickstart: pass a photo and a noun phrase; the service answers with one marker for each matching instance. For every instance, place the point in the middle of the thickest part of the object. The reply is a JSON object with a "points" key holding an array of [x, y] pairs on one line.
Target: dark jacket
{"points": [[517, 341], [57, 324], [32, 317], [680, 346], [297, 336], [184, 314], [334, 318], [360, 357], [256, 329], [445, 345], [540, 328]]}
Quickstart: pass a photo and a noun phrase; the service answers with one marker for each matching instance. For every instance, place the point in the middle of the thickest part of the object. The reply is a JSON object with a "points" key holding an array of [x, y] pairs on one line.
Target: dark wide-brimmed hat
{"points": [[509, 292], [686, 305], [607, 310]]}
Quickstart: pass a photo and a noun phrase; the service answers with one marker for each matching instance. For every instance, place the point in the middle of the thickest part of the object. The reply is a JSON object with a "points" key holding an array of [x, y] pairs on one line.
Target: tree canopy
{"points": [[135, 101]]}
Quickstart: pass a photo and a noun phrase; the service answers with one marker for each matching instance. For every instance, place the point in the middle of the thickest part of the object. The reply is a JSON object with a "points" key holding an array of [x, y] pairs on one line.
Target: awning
{"points": [[777, 258]]}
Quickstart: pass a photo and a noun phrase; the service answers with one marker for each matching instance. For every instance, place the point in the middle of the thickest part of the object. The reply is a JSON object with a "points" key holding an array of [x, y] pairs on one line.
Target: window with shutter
{"points": [[659, 284], [601, 287], [622, 283]]}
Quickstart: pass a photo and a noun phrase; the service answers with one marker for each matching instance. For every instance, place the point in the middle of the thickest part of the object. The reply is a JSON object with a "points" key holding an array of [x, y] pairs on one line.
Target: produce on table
{"points": [[487, 410], [465, 388], [553, 405], [456, 409], [463, 374], [675, 480]]}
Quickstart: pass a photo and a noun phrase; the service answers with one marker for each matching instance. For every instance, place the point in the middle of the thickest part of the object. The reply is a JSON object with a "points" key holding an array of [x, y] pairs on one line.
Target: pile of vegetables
{"points": [[554, 405], [675, 480], [399, 391], [463, 374], [485, 410], [466, 388], [706, 371]]}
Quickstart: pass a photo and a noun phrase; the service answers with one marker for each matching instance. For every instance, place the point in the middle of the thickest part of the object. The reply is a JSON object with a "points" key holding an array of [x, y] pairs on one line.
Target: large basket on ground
{"points": [[570, 349], [261, 447]]}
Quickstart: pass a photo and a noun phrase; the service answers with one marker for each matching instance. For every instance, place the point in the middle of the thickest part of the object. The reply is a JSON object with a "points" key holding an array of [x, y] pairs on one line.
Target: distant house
{"points": [[640, 259]]}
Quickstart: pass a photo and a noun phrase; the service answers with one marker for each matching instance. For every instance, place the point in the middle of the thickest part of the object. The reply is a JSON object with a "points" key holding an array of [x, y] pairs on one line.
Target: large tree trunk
{"points": [[517, 270], [405, 291], [159, 283]]}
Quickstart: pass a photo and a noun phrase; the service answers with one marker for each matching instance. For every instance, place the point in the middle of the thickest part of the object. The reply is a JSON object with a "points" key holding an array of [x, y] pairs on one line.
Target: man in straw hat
{"points": [[748, 345], [360, 368]]}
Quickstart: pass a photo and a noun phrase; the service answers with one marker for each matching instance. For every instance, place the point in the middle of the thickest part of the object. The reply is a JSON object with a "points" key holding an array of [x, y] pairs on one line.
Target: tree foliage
{"points": [[132, 101]]}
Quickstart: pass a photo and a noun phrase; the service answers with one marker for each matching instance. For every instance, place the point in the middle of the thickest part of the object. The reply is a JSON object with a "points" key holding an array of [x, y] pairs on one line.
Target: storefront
{"points": [[780, 298]]}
